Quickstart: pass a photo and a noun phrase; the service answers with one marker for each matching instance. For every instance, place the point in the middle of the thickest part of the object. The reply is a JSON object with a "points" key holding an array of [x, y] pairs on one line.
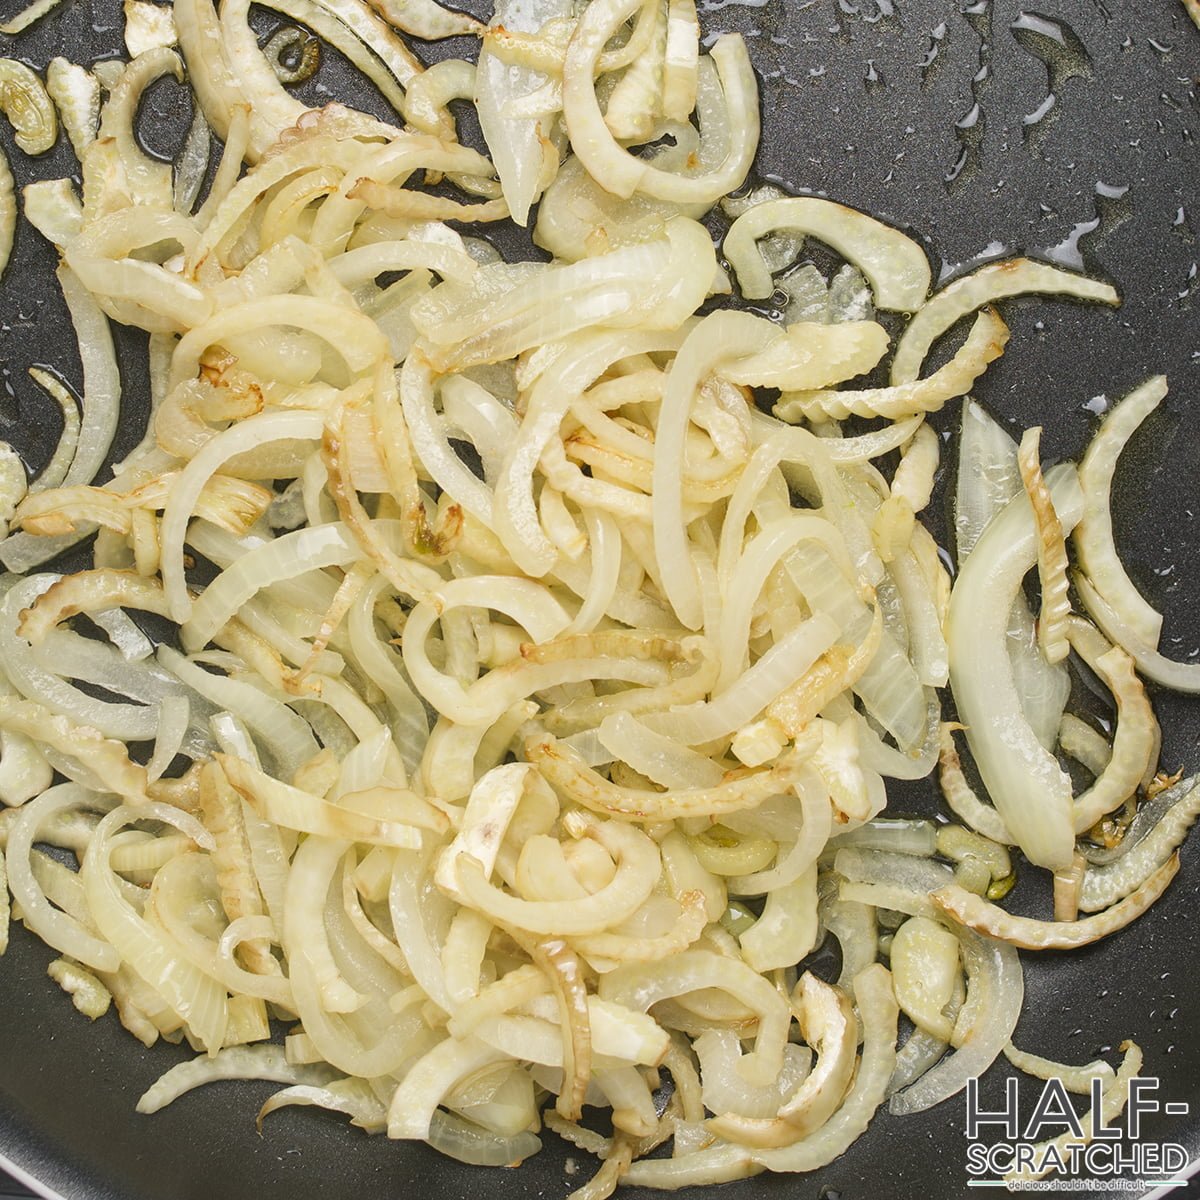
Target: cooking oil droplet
{"points": [[1040, 112], [991, 251], [936, 36], [969, 128], [1190, 287], [1059, 48], [1110, 208]]}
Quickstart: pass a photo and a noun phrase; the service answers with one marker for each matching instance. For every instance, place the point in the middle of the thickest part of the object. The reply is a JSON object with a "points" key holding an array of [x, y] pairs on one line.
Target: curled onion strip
{"points": [[1029, 934]]}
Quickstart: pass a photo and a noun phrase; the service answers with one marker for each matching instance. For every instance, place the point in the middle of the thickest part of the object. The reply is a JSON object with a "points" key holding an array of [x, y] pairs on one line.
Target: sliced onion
{"points": [[985, 285], [1030, 934], [1031, 792], [1094, 534], [895, 265]]}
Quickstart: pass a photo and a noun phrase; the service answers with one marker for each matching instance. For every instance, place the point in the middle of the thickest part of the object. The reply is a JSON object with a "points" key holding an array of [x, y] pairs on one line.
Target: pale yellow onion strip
{"points": [[102, 760], [55, 471], [895, 265], [246, 435], [30, 111], [562, 967], [291, 808], [367, 27], [147, 180], [416, 1099], [391, 162], [366, 262], [214, 84], [235, 205], [637, 871], [501, 688], [1052, 551], [233, 1062], [88, 592], [604, 555], [719, 337], [985, 343], [928, 651], [745, 581], [304, 931], [222, 810], [353, 336], [1135, 741], [808, 356], [1178, 676], [284, 557], [622, 172], [1048, 1155], [1078, 740], [516, 520], [661, 759], [406, 574], [780, 668], [1076, 1079], [985, 285], [410, 205], [27, 16], [55, 928], [795, 445], [512, 990], [188, 991], [232, 155], [568, 773], [215, 959], [1093, 535], [618, 1032], [828, 1025], [1030, 790], [426, 19], [611, 949], [430, 442], [174, 715], [426, 102], [963, 802], [1029, 934], [8, 212], [272, 108], [543, 47], [640, 986], [1105, 885], [101, 380]]}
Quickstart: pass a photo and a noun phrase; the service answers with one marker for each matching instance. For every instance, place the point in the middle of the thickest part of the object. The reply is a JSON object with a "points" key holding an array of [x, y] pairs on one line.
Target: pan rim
{"points": [[26, 1179]]}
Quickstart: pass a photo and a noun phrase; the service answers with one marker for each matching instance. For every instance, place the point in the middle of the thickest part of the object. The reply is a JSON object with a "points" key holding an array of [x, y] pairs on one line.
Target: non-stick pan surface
{"points": [[935, 116]]}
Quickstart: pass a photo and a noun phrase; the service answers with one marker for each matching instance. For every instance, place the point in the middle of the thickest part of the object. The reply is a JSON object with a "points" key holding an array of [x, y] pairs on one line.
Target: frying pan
{"points": [[935, 117]]}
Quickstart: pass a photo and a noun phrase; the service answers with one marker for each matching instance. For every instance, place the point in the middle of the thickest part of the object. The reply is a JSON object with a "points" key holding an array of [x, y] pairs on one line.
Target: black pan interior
{"points": [[917, 111]]}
